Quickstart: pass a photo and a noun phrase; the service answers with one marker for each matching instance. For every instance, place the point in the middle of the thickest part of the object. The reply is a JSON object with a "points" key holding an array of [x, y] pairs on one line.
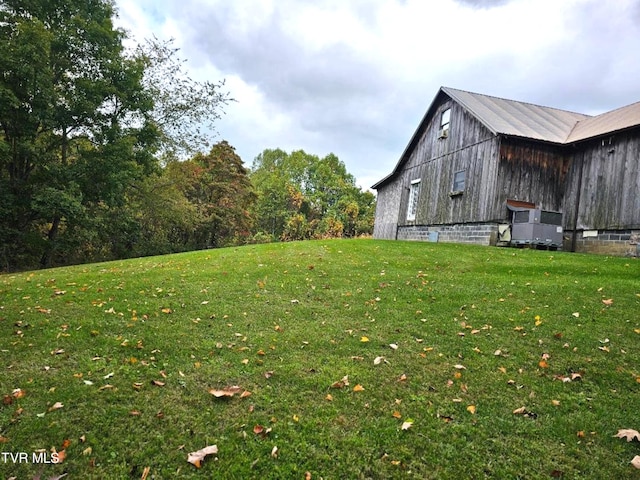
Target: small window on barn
{"points": [[412, 205], [445, 121], [458, 182]]}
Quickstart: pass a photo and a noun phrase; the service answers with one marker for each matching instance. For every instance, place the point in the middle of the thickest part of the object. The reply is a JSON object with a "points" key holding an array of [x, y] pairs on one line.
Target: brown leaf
{"points": [[341, 383], [62, 455], [358, 388], [197, 457], [225, 392], [607, 301], [629, 434], [18, 393], [145, 473], [157, 383]]}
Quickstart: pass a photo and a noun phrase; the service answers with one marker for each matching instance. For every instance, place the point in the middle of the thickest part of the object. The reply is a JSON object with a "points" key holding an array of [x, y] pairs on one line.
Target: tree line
{"points": [[105, 153]]}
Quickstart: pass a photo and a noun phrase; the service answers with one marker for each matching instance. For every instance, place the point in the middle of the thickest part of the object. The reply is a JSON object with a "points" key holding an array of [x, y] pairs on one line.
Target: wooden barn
{"points": [[486, 170]]}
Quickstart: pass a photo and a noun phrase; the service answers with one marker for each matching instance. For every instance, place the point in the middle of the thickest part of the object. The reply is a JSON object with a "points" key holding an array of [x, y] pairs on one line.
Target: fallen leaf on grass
{"points": [[607, 301], [55, 406], [407, 424], [471, 409], [229, 392], [358, 388], [18, 393], [145, 473], [525, 413], [341, 383], [61, 456], [196, 458], [636, 461], [261, 431], [274, 452], [573, 377], [629, 434]]}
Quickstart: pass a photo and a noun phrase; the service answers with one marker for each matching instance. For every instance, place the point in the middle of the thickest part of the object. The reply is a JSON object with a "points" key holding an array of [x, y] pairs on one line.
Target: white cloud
{"points": [[354, 78]]}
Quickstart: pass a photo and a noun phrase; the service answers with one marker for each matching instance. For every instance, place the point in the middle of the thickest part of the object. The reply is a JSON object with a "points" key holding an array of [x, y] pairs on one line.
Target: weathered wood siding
{"points": [[609, 197], [387, 204], [530, 172], [469, 147]]}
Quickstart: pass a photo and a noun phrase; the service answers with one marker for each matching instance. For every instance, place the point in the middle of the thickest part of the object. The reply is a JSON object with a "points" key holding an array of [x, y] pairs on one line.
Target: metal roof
{"points": [[609, 122], [519, 119]]}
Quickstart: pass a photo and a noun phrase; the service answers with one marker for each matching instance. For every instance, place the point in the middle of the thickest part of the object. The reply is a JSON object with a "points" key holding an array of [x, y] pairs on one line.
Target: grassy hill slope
{"points": [[357, 359]]}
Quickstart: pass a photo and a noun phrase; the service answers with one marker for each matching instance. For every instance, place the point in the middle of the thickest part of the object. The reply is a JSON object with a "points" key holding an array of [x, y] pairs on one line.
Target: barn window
{"points": [[459, 181], [412, 206], [445, 121]]}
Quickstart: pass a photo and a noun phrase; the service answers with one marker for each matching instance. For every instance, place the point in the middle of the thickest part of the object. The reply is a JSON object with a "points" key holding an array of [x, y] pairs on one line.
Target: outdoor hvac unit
{"points": [[536, 227]]}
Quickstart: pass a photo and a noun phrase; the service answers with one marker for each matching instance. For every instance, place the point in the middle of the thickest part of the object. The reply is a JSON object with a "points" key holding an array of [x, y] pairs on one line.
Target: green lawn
{"points": [[440, 345]]}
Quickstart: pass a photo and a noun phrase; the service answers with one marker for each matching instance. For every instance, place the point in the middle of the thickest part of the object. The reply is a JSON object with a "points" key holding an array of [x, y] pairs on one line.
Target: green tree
{"points": [[303, 196], [83, 123], [72, 116], [218, 187]]}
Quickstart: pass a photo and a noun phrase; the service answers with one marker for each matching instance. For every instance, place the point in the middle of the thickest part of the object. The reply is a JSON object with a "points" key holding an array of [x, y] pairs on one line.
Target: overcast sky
{"points": [[354, 77]]}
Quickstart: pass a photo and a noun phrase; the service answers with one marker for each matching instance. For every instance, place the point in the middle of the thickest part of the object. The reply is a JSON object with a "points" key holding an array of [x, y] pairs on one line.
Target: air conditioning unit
{"points": [[444, 133], [536, 227]]}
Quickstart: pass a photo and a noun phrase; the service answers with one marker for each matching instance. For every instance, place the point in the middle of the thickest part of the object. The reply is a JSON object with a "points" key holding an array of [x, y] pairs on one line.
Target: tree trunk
{"points": [[45, 260]]}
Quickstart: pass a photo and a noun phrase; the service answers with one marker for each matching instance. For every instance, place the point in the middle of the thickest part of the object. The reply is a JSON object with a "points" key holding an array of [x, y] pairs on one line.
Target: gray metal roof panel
{"points": [[609, 122], [510, 117]]}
